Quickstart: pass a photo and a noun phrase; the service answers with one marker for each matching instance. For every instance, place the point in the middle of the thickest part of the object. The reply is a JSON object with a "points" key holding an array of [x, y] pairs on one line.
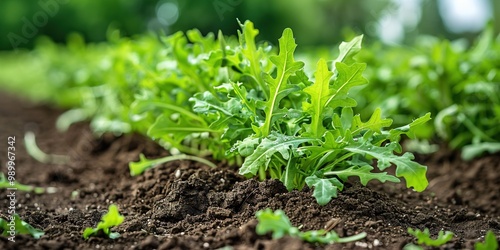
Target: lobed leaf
{"points": [[324, 189], [319, 94], [267, 149], [423, 237], [285, 66], [413, 172]]}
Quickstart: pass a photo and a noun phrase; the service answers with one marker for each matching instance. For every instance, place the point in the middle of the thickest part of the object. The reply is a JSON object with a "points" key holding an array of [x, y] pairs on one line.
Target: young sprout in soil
{"points": [[35, 152], [5, 183], [424, 238], [279, 225], [111, 219], [137, 168], [18, 227], [490, 242]]}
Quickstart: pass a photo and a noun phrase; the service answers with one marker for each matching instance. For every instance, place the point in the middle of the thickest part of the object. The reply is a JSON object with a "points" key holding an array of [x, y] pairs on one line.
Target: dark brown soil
{"points": [[184, 205]]}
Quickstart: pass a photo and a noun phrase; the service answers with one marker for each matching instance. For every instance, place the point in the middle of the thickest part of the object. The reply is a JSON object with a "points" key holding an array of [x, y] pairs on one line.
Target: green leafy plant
{"points": [[490, 242], [303, 131], [452, 80], [424, 238], [20, 227], [279, 225], [111, 219], [234, 100]]}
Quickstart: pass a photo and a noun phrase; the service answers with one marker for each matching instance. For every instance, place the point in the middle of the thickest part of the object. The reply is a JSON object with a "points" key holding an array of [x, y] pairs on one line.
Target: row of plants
{"points": [[271, 222], [232, 99], [456, 82], [256, 107]]}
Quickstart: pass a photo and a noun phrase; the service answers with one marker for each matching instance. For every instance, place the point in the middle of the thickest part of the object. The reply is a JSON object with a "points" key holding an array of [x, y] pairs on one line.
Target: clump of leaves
{"points": [[424, 238], [302, 130], [490, 242], [21, 227], [111, 219], [279, 225], [456, 82], [236, 100]]}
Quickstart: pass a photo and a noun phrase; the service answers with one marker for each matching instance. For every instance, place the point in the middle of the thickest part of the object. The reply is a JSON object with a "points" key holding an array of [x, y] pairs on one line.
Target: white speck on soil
{"points": [[177, 173], [361, 244], [206, 245]]}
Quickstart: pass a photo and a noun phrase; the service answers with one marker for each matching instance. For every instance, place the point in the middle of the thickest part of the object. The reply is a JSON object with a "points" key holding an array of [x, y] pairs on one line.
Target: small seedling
{"points": [[424, 238], [278, 223], [490, 242], [17, 226], [5, 183], [37, 154], [137, 168], [111, 219]]}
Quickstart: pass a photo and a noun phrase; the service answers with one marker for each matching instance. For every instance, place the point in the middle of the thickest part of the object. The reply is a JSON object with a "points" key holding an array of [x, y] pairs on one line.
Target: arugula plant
{"points": [[456, 82], [279, 225], [424, 238], [21, 227], [490, 242], [111, 219], [302, 130], [235, 100]]}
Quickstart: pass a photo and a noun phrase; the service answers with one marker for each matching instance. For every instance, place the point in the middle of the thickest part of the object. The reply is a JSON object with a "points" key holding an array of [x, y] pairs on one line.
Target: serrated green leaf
{"points": [[363, 172], [490, 242], [413, 172], [424, 237], [253, 54], [375, 123], [324, 189], [347, 51], [206, 102], [409, 129], [276, 222], [247, 146], [319, 93], [111, 219], [21, 227], [348, 77], [268, 147], [286, 66]]}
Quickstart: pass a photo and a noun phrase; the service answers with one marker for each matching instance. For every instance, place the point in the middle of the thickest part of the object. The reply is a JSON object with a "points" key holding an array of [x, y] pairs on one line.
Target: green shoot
{"points": [[137, 168], [35, 152], [424, 237], [279, 225], [111, 219], [15, 226], [490, 242]]}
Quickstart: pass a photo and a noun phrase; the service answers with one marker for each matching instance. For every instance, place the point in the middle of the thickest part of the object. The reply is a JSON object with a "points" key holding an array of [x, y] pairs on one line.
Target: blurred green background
{"points": [[315, 22]]}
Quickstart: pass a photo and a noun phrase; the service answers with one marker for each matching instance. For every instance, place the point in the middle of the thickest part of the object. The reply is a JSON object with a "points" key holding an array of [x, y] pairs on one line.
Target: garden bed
{"points": [[185, 205]]}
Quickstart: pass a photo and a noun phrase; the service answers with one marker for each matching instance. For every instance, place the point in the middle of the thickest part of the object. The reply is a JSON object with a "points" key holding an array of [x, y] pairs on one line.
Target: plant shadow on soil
{"points": [[183, 205]]}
